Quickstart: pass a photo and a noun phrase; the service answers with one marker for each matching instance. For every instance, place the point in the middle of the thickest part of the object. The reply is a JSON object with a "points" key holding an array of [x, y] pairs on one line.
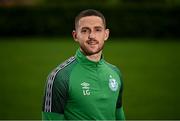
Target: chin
{"points": [[93, 51]]}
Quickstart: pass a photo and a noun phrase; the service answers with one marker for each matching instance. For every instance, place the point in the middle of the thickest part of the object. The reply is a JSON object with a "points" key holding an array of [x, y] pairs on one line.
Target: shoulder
{"points": [[66, 67], [113, 67], [62, 71]]}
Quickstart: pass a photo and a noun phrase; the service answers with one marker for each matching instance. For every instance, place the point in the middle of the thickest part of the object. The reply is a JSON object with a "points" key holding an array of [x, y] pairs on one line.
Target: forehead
{"points": [[90, 21]]}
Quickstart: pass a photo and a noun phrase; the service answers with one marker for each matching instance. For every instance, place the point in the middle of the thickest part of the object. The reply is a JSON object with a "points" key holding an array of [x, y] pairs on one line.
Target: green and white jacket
{"points": [[80, 89]]}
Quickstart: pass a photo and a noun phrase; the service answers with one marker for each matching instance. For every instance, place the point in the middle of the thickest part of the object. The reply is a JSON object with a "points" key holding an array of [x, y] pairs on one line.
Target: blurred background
{"points": [[35, 37]]}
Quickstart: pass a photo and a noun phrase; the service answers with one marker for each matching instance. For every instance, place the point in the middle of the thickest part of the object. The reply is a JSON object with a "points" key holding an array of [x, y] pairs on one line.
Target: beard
{"points": [[88, 51]]}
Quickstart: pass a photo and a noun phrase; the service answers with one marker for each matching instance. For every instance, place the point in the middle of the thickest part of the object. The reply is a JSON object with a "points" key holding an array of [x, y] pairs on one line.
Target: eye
{"points": [[84, 30], [98, 29]]}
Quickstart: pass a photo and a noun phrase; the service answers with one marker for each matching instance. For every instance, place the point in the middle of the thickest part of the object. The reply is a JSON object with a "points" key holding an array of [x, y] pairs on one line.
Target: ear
{"points": [[74, 34], [106, 34]]}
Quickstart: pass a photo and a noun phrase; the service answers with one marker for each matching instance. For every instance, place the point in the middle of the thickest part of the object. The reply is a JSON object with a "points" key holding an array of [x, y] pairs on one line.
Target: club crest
{"points": [[113, 85]]}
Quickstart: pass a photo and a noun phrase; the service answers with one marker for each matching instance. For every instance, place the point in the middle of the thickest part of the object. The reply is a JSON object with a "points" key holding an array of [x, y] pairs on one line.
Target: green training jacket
{"points": [[80, 89]]}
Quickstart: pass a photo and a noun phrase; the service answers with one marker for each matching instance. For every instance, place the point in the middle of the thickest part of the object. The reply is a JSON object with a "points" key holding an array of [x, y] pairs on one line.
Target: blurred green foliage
{"points": [[150, 69], [123, 21], [111, 3], [126, 18]]}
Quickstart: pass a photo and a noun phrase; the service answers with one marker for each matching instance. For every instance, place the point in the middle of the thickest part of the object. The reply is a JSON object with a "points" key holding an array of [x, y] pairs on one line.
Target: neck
{"points": [[95, 57]]}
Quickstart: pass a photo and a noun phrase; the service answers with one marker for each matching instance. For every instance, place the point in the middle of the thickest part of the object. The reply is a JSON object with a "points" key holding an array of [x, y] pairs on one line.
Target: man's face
{"points": [[91, 34]]}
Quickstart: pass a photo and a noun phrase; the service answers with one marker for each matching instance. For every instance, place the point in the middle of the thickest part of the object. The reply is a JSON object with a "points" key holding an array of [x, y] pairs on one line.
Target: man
{"points": [[85, 87]]}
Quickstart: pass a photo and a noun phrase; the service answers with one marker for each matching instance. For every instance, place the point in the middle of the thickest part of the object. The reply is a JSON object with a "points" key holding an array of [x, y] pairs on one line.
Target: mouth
{"points": [[92, 42]]}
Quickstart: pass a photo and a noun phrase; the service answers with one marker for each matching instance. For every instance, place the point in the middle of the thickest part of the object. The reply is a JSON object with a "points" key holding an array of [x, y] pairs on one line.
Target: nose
{"points": [[91, 35]]}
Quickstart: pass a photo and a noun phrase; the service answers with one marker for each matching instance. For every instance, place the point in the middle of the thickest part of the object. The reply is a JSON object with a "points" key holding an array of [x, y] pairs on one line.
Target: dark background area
{"points": [[125, 18]]}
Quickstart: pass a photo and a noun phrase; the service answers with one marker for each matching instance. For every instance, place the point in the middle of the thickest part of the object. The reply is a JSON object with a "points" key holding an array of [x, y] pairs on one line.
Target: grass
{"points": [[150, 70]]}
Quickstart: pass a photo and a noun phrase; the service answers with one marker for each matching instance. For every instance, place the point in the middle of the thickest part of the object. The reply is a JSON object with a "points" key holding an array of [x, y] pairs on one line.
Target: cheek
{"points": [[82, 37], [102, 38]]}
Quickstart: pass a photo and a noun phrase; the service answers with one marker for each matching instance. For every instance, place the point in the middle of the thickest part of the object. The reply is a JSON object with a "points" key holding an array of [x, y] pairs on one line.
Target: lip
{"points": [[92, 42]]}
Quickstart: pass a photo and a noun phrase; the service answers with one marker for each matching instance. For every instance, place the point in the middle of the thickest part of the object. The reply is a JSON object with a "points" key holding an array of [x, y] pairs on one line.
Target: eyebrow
{"points": [[97, 27], [85, 28]]}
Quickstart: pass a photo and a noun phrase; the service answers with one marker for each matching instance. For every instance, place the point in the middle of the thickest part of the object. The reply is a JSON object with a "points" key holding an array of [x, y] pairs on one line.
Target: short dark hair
{"points": [[89, 12]]}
